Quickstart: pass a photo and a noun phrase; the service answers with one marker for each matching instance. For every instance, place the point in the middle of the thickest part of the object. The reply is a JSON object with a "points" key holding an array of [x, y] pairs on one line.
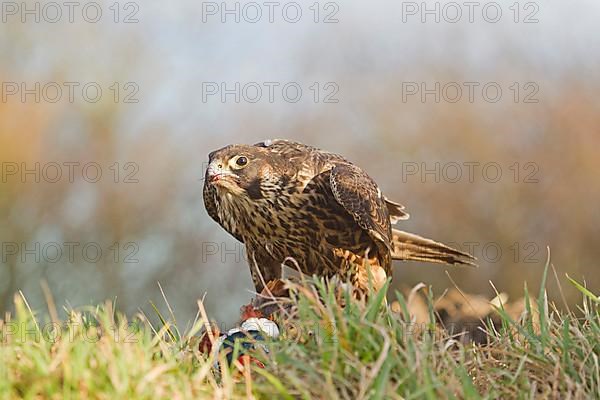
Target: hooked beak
{"points": [[216, 173]]}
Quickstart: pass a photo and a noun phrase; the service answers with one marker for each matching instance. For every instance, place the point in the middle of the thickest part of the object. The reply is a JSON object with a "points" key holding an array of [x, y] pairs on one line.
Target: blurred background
{"points": [[484, 121]]}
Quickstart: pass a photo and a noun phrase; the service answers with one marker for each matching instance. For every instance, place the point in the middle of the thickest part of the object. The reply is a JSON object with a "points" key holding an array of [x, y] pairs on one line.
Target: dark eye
{"points": [[241, 161]]}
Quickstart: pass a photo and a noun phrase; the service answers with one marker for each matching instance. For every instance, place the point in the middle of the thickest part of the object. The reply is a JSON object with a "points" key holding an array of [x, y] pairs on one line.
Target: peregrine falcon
{"points": [[289, 201]]}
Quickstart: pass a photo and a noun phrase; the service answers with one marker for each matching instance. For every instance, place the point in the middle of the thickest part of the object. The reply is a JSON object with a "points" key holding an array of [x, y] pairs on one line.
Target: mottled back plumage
{"points": [[286, 200]]}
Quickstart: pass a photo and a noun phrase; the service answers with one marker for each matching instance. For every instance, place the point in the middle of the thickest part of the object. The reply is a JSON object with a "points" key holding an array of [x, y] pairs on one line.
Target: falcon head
{"points": [[240, 170]]}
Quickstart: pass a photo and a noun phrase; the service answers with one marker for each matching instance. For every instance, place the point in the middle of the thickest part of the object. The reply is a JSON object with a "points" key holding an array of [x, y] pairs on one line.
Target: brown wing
{"points": [[209, 194], [395, 210], [360, 196], [301, 156]]}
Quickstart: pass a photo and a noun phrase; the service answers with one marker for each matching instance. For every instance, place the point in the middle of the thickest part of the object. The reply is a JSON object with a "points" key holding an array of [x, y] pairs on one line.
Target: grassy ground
{"points": [[358, 351]]}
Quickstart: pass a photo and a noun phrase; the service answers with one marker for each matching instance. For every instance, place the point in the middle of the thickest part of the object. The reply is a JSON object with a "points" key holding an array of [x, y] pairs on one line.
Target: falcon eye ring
{"points": [[241, 161]]}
